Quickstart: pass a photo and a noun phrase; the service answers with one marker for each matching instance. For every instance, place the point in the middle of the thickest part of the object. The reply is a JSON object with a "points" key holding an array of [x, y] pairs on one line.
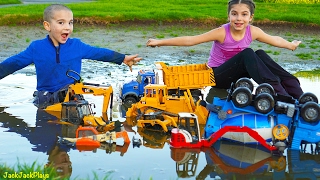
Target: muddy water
{"points": [[26, 136]]}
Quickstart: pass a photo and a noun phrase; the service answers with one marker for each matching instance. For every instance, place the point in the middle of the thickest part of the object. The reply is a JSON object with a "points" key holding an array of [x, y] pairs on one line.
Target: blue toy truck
{"points": [[280, 120], [131, 92]]}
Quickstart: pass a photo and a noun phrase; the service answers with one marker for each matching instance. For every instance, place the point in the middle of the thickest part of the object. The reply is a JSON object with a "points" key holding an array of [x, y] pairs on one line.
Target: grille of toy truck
{"points": [[191, 76]]}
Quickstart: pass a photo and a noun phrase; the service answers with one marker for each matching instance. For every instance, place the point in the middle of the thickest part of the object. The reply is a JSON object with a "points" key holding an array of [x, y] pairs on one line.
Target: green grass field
{"points": [[160, 10]]}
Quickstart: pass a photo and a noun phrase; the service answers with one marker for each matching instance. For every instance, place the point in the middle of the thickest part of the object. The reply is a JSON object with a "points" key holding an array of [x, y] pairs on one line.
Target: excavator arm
{"points": [[96, 90]]}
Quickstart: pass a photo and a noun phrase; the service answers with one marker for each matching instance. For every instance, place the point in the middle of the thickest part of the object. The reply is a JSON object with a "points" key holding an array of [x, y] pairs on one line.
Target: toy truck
{"points": [[132, 91], [265, 118], [192, 76], [180, 92]]}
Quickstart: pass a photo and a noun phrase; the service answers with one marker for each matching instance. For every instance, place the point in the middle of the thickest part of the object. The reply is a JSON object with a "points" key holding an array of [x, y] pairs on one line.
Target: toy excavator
{"points": [[76, 110]]}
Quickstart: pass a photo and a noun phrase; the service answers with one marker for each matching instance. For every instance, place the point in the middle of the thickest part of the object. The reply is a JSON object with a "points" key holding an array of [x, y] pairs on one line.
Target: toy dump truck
{"points": [[193, 76], [178, 90]]}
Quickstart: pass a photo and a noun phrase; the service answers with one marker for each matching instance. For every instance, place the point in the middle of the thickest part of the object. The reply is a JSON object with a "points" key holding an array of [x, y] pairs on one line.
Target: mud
{"points": [[132, 38]]}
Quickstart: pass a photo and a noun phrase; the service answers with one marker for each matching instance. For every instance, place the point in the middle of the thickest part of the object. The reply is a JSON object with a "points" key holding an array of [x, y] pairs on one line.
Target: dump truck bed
{"points": [[192, 76]]}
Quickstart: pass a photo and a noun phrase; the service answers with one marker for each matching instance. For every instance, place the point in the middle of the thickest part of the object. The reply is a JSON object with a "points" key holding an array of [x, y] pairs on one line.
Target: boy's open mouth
{"points": [[65, 35]]}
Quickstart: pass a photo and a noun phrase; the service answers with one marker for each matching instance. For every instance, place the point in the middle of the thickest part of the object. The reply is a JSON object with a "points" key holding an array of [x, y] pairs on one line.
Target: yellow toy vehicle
{"points": [[76, 110], [179, 92]]}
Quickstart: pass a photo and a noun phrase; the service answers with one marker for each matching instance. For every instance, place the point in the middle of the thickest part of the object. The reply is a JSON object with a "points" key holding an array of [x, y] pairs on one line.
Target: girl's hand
{"points": [[153, 42], [295, 44], [130, 60]]}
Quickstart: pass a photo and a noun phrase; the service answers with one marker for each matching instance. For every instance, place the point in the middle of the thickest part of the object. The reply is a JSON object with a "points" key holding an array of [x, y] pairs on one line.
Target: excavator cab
{"points": [[75, 111]]}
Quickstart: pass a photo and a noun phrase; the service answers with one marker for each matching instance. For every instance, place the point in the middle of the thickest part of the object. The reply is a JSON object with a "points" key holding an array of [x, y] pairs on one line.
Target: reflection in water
{"points": [[43, 137], [153, 139], [226, 160]]}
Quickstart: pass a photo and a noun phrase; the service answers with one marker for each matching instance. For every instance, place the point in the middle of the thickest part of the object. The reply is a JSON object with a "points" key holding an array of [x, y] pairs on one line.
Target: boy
{"points": [[54, 55]]}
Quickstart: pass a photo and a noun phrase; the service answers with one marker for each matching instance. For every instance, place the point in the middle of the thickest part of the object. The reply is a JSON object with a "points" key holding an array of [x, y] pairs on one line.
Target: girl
{"points": [[230, 56]]}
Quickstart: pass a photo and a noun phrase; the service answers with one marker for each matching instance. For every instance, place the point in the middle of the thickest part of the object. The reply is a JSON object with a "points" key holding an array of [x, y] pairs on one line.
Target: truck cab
{"points": [[132, 91]]}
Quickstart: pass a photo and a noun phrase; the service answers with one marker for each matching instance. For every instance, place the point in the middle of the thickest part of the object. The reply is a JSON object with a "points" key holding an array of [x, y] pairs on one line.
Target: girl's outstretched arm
{"points": [[215, 34], [277, 41]]}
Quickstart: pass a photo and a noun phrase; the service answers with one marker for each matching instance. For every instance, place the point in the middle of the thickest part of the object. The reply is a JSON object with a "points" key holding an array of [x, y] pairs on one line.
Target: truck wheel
{"points": [[244, 82], [265, 88], [310, 112], [130, 100], [306, 97], [264, 103], [241, 97]]}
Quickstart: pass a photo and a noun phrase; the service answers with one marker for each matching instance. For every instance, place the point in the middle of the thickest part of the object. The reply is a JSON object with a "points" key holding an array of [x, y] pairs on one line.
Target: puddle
{"points": [[26, 136]]}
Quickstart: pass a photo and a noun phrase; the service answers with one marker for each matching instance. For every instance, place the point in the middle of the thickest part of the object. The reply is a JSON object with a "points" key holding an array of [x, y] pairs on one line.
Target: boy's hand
{"points": [[130, 60]]}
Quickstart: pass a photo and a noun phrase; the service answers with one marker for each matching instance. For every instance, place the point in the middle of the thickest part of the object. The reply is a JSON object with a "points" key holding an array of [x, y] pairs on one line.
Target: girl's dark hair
{"points": [[249, 3]]}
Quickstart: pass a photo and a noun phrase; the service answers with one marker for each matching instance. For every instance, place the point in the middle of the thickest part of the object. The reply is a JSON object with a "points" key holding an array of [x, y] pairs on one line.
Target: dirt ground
{"points": [[131, 39]]}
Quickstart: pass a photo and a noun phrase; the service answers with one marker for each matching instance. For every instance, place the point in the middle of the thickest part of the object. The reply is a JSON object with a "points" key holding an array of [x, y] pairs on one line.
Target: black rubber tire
{"points": [[129, 100], [264, 103], [310, 112], [307, 97], [244, 82], [265, 88], [241, 97]]}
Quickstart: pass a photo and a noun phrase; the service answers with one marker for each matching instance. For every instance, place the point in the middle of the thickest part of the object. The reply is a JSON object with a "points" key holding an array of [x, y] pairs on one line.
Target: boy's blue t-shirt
{"points": [[52, 62]]}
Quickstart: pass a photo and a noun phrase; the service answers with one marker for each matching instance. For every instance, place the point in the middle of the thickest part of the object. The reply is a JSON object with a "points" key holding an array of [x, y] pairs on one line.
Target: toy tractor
{"points": [[178, 89]]}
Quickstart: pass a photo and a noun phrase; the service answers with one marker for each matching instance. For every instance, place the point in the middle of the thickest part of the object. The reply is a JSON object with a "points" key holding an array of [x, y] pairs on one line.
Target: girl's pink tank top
{"points": [[221, 52]]}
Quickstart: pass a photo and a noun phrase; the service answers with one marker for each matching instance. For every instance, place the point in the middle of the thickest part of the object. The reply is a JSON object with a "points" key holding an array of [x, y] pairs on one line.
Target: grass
{"points": [[192, 11], [3, 2], [304, 56], [36, 171]]}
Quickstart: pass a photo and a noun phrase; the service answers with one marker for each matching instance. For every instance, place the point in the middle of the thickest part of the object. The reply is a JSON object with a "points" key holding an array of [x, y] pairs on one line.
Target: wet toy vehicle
{"points": [[280, 120], [89, 139], [262, 118], [179, 92], [191, 76], [76, 110]]}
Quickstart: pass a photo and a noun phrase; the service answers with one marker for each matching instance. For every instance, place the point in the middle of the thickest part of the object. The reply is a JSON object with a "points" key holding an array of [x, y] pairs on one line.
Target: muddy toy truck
{"points": [[179, 91], [265, 118], [192, 76]]}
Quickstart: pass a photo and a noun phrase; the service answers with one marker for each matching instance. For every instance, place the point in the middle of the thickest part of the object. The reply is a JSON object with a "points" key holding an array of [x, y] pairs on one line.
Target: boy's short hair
{"points": [[49, 11]]}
